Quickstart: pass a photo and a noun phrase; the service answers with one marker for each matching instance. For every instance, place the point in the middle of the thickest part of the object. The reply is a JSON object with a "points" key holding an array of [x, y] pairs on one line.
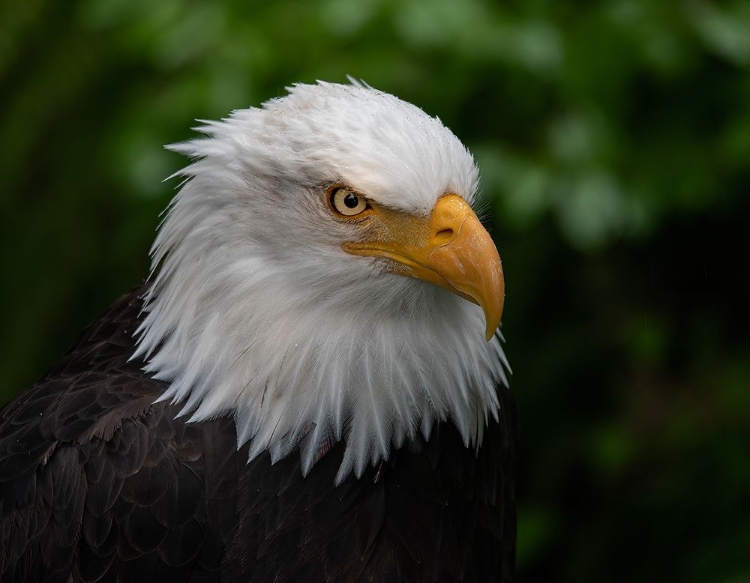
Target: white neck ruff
{"points": [[295, 366]]}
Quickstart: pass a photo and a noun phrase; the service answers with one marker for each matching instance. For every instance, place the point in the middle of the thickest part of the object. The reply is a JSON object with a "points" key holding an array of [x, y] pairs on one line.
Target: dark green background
{"points": [[614, 141]]}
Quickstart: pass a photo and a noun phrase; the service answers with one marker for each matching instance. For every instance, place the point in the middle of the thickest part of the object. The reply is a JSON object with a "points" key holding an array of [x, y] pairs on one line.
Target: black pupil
{"points": [[351, 200]]}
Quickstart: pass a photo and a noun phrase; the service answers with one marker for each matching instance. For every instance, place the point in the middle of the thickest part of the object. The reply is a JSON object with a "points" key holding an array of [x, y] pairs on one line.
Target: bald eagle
{"points": [[310, 387]]}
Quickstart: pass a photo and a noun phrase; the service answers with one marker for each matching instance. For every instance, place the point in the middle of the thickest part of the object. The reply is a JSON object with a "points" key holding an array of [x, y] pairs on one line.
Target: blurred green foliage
{"points": [[614, 141]]}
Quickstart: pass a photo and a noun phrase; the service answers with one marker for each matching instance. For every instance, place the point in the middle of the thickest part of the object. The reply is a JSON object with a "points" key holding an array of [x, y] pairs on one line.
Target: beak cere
{"points": [[449, 248]]}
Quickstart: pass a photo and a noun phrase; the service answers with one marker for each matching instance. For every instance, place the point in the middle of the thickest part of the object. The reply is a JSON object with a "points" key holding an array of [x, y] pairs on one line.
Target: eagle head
{"points": [[321, 276]]}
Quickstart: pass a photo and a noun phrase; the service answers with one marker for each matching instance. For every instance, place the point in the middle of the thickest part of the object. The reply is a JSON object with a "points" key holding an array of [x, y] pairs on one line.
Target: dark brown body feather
{"points": [[99, 484]]}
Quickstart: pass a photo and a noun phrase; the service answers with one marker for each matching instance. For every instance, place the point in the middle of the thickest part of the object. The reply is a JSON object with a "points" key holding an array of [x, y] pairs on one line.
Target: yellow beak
{"points": [[449, 248]]}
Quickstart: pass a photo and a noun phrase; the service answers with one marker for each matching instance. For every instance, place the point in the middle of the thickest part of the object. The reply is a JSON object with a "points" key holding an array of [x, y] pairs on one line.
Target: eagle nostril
{"points": [[443, 235]]}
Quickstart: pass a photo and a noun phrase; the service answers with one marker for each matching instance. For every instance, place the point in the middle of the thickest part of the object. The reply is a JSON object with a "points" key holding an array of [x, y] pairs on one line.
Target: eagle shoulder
{"points": [[91, 472]]}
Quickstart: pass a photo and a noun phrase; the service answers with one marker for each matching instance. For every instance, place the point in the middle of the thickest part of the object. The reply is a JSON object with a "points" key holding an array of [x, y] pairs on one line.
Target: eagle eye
{"points": [[346, 202]]}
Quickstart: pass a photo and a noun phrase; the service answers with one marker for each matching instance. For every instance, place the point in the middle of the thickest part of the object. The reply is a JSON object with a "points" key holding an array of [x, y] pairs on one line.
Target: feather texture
{"points": [[99, 484]]}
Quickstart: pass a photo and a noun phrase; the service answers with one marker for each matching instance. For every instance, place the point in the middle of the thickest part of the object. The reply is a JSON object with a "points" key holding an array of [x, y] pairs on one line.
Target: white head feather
{"points": [[256, 311]]}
